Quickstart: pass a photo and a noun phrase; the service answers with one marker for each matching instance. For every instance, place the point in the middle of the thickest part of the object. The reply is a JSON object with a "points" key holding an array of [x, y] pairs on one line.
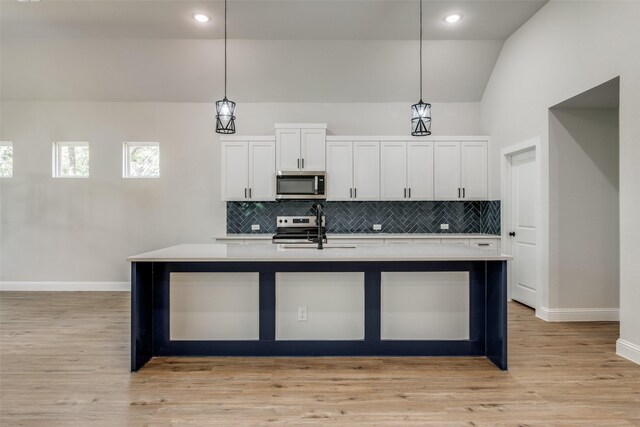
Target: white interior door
{"points": [[235, 170], [339, 179], [313, 149], [262, 171], [447, 171], [288, 149], [393, 171], [524, 223], [420, 170], [366, 170]]}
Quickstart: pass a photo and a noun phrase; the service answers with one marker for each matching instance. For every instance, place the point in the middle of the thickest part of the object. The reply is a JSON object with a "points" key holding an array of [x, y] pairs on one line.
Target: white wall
{"points": [[584, 236], [83, 229], [565, 49]]}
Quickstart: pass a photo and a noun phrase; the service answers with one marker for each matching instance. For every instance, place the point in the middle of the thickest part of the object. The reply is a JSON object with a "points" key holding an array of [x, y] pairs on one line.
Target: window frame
{"points": [[126, 159], [57, 158], [13, 153]]}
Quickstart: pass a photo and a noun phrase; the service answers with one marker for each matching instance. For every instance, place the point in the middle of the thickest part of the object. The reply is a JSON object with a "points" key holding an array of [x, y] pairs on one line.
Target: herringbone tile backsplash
{"points": [[359, 217]]}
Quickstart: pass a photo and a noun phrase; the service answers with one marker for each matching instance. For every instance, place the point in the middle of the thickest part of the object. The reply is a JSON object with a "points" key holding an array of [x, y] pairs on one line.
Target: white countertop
{"points": [[333, 236], [255, 252]]}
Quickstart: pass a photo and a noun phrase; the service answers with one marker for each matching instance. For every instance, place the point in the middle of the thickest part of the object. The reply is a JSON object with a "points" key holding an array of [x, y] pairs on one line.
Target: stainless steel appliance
{"points": [[299, 229], [300, 185]]}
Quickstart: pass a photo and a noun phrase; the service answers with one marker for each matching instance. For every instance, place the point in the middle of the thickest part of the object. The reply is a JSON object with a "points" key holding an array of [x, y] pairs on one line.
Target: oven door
{"points": [[300, 185]]}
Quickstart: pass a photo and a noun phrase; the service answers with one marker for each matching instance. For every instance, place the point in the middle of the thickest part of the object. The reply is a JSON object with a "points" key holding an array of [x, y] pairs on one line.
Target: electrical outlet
{"points": [[377, 227], [444, 226], [255, 227], [302, 314]]}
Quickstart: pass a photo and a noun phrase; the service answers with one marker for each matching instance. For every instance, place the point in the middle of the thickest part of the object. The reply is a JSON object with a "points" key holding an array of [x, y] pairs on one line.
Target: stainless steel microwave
{"points": [[300, 185]]}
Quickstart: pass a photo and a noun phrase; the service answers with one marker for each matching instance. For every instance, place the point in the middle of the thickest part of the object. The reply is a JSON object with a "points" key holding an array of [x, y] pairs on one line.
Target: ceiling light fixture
{"points": [[421, 112], [225, 109], [453, 18], [201, 18]]}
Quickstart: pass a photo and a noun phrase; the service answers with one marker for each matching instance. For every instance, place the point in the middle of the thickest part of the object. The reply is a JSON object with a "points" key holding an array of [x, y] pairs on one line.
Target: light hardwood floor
{"points": [[65, 359]]}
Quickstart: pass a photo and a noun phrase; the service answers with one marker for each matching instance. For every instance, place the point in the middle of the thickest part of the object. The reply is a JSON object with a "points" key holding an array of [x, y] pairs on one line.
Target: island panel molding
{"points": [[151, 284]]}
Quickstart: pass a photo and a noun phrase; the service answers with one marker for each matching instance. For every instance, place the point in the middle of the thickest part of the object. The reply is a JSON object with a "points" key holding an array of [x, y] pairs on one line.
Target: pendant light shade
{"points": [[421, 112], [225, 109], [421, 119], [225, 116]]}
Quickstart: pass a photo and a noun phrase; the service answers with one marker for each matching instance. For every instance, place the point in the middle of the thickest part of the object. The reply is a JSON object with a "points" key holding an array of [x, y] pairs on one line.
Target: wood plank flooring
{"points": [[64, 360]]}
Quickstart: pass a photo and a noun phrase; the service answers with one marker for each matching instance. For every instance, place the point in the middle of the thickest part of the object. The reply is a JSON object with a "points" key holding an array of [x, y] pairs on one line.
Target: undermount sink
{"points": [[314, 246]]}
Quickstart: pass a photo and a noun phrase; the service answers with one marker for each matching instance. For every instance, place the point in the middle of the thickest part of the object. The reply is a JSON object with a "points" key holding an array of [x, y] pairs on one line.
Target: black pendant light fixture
{"points": [[421, 112], [225, 109]]}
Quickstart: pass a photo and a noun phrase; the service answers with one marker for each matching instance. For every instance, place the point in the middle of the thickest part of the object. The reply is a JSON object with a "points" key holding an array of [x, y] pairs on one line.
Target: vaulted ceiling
{"points": [[279, 51]]}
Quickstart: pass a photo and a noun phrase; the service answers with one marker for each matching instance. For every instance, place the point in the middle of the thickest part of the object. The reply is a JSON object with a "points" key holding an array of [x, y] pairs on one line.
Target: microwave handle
{"points": [[315, 181]]}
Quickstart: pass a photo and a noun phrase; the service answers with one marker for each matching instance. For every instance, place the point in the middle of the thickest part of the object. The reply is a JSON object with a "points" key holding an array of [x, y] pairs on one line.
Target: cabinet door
{"points": [[393, 171], [235, 170], [474, 170], [420, 170], [288, 149], [339, 179], [262, 171], [313, 149], [366, 170], [447, 171]]}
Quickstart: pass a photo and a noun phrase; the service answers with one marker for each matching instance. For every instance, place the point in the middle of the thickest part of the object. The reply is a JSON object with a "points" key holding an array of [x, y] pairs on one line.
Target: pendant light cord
{"points": [[225, 48], [420, 50]]}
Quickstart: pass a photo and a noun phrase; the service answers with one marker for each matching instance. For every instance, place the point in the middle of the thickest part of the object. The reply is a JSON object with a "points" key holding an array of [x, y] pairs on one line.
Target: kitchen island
{"points": [[375, 270]]}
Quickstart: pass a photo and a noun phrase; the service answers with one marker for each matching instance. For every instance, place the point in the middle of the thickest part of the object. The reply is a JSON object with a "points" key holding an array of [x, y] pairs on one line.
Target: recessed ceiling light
{"points": [[453, 18], [201, 18]]}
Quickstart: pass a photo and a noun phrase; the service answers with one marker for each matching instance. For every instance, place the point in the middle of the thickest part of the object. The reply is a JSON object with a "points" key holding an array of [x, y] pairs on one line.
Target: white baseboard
{"points": [[65, 286], [578, 314], [628, 350]]}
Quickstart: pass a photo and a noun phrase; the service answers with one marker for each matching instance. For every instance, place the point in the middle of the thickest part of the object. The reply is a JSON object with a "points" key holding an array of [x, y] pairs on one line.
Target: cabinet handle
{"points": [[351, 193], [245, 193], [405, 193], [249, 193], [302, 163], [458, 192], [464, 193], [298, 163], [483, 244], [355, 193], [409, 192]]}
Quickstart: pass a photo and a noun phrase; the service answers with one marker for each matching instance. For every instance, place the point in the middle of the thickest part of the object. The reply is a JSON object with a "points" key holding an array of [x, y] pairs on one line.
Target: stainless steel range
{"points": [[299, 229]]}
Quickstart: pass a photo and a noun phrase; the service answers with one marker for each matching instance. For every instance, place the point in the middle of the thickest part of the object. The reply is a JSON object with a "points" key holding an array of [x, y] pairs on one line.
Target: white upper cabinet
{"points": [[262, 173], [235, 170], [474, 176], [393, 170], [313, 144], [248, 170], [406, 170], [300, 147], [339, 179], [288, 149], [353, 170], [447, 171], [366, 170], [420, 170], [461, 170]]}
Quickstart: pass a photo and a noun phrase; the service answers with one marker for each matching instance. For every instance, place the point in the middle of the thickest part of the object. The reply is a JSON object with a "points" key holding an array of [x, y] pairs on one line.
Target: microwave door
{"points": [[295, 186]]}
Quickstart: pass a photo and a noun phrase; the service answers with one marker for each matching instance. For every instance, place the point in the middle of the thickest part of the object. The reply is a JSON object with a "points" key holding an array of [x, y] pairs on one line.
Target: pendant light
{"points": [[421, 112], [225, 109]]}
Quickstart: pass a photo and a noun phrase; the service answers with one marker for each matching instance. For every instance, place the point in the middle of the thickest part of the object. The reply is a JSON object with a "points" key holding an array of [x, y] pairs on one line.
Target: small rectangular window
{"points": [[71, 159], [6, 159], [141, 160]]}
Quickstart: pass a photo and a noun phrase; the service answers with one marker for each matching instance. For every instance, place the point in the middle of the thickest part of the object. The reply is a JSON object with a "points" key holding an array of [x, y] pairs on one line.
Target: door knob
{"points": [[512, 233]]}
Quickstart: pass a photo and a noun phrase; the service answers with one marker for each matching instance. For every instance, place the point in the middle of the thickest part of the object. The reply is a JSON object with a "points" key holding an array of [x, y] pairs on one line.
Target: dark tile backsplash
{"points": [[359, 217]]}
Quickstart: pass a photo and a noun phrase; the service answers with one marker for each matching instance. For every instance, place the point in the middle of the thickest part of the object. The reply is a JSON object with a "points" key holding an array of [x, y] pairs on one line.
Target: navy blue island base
{"points": [[487, 316]]}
